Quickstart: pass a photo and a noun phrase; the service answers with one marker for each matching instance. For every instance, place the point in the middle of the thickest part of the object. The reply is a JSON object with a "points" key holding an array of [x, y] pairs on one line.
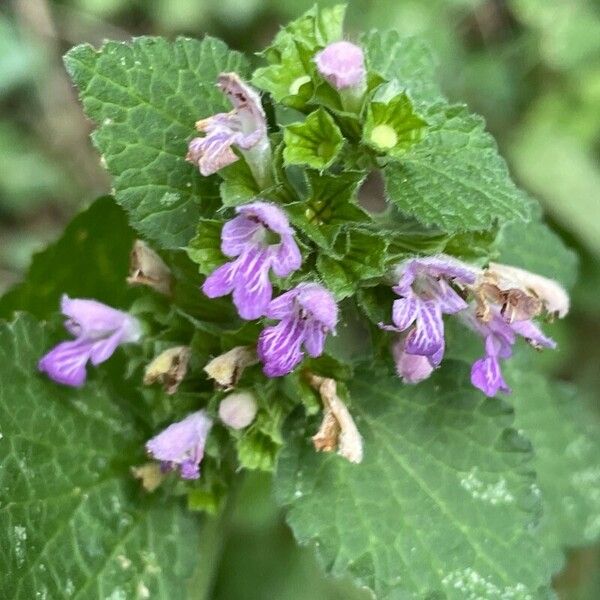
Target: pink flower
{"points": [[249, 239], [98, 331], [182, 444], [306, 315], [342, 64]]}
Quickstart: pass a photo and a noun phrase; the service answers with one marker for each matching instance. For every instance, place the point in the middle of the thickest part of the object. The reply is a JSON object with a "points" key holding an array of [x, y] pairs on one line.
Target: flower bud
{"points": [[342, 64], [148, 268], [238, 410]]}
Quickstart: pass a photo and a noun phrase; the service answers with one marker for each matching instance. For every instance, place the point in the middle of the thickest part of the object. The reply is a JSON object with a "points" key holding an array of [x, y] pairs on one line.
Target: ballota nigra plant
{"points": [[278, 318]]}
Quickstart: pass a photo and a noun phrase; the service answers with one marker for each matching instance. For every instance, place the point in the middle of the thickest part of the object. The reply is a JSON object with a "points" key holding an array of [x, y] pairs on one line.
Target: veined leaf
{"points": [[441, 507], [145, 97], [75, 522]]}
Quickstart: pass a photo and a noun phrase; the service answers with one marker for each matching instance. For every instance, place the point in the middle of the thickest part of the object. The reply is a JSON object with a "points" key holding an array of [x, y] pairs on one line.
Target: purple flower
{"points": [[425, 295], [306, 314], [500, 337], [244, 127], [342, 64], [98, 330], [249, 239], [413, 368], [182, 444]]}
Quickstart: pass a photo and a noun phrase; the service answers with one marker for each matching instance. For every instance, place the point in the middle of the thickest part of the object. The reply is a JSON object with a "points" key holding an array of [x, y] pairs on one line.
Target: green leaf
{"points": [[145, 97], [259, 444], [75, 522], [392, 126], [566, 439], [329, 207], [455, 179], [363, 258], [239, 185], [289, 76], [407, 60], [535, 247], [90, 260], [315, 142], [205, 248], [442, 505]]}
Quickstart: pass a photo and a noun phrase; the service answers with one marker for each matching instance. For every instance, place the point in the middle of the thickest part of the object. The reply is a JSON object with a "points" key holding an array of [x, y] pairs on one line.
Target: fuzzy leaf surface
{"points": [[455, 179], [144, 98], [442, 505], [75, 522]]}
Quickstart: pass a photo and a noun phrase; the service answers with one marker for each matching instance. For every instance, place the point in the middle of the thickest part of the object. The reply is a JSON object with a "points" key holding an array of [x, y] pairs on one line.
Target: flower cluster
{"points": [[433, 286], [499, 303]]}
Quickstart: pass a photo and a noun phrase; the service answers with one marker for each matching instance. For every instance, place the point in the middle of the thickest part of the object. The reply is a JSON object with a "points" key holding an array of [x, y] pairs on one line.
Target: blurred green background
{"points": [[531, 67]]}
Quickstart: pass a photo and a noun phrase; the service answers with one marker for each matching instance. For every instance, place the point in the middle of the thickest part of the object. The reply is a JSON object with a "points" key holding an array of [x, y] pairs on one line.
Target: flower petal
{"points": [[103, 349], [287, 257], [182, 443], [405, 311], [279, 347], [314, 338], [237, 234], [65, 363], [487, 376], [284, 306], [92, 319], [411, 368], [428, 335], [252, 288], [533, 334], [269, 215], [220, 281]]}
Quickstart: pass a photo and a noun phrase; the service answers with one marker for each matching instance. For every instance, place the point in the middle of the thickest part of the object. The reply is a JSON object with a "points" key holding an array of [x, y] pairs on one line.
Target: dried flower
{"points": [[244, 127], [98, 330], [148, 268], [227, 368], [259, 238], [338, 429], [168, 368]]}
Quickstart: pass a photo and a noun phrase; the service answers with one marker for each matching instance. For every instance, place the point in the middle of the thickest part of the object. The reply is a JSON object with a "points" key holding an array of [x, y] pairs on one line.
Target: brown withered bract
{"points": [[146, 267], [337, 430], [168, 368], [227, 368], [516, 304]]}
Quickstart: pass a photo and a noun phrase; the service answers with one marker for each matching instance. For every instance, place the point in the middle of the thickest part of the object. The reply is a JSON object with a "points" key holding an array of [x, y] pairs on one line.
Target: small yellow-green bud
{"points": [[384, 137]]}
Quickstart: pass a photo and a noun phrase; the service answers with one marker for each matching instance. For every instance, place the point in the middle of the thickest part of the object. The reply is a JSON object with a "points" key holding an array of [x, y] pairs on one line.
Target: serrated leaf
{"points": [[455, 179], [566, 439], [76, 523], [364, 258], [205, 248], [90, 260], [441, 507], [315, 142], [145, 97], [535, 247], [407, 60]]}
